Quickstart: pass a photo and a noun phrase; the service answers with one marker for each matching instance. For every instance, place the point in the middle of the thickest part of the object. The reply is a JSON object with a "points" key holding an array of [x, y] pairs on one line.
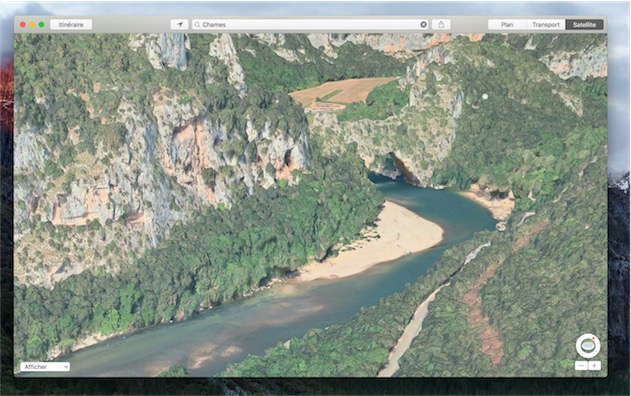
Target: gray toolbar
{"points": [[264, 24]]}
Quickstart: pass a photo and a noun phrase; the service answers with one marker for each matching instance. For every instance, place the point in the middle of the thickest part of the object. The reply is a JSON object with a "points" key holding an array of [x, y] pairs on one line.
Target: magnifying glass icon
{"points": [[197, 25]]}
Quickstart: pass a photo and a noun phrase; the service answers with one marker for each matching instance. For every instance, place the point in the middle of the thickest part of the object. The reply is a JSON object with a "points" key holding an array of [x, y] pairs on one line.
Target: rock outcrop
{"points": [[222, 48], [164, 50], [583, 63], [418, 138], [404, 45], [175, 158]]}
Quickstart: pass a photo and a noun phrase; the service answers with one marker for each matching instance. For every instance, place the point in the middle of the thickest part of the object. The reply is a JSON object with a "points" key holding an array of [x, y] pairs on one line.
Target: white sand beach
{"points": [[400, 232]]}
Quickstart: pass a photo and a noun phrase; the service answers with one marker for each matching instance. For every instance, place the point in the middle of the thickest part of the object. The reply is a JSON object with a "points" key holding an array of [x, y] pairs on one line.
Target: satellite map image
{"points": [[311, 205]]}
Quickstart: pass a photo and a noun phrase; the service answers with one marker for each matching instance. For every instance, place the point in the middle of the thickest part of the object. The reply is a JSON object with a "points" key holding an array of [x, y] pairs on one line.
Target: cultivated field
{"points": [[345, 91]]}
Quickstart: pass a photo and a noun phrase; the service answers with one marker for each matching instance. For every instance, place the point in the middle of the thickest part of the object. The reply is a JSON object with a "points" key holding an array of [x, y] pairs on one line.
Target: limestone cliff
{"points": [[163, 50], [404, 45], [155, 159], [585, 60], [170, 158], [415, 140], [222, 49]]}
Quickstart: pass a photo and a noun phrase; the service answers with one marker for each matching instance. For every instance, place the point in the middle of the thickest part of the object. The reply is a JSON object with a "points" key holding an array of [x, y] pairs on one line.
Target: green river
{"points": [[206, 343]]}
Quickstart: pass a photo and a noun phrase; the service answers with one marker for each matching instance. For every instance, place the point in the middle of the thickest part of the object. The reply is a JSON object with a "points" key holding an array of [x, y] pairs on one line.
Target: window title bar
{"points": [[403, 24]]}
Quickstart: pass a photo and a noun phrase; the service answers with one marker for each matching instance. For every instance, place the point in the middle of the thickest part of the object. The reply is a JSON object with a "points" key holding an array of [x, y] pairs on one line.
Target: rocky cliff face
{"points": [[400, 45], [397, 44], [176, 158], [583, 62], [222, 49], [164, 50], [277, 42], [419, 137]]}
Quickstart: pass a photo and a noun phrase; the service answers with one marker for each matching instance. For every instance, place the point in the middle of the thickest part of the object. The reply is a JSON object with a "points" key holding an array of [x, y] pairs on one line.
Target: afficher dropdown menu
{"points": [[44, 366]]}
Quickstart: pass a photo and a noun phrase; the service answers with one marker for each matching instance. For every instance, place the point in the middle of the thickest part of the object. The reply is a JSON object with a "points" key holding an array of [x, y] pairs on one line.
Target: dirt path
{"points": [[416, 324], [492, 345], [411, 331]]}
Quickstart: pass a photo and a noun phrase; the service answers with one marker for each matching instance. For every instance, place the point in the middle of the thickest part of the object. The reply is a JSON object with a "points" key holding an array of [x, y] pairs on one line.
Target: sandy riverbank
{"points": [[83, 342], [400, 232], [500, 208]]}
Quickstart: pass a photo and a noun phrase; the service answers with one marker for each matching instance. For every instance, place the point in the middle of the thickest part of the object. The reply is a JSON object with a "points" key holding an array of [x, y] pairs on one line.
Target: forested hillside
{"points": [[543, 280], [448, 82], [218, 256], [290, 62], [527, 298], [152, 181]]}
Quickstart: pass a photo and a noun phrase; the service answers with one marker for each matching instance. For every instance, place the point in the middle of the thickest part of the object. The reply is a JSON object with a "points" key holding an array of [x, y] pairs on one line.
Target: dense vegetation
{"points": [[526, 136], [546, 271], [10, 385], [175, 371], [382, 102], [359, 347], [264, 68], [216, 257], [541, 281]]}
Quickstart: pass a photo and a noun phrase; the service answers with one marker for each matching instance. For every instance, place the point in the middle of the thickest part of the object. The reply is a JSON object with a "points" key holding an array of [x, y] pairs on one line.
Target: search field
{"points": [[323, 25]]}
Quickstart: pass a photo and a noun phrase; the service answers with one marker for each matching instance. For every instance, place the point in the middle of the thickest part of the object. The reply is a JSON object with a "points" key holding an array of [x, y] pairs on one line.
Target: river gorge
{"points": [[207, 343]]}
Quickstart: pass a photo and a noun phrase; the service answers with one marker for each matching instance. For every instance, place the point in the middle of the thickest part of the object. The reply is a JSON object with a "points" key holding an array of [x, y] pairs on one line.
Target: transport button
{"points": [[546, 24]]}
